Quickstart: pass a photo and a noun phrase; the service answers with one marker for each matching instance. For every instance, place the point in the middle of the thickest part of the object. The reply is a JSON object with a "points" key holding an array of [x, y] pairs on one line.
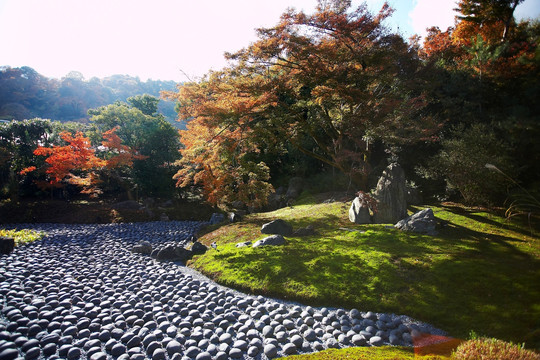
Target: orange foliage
{"points": [[334, 76], [124, 154], [216, 159], [76, 162], [76, 156]]}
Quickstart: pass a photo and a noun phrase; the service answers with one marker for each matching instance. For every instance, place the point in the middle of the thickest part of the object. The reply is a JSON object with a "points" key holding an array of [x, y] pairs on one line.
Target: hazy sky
{"points": [[160, 39]]}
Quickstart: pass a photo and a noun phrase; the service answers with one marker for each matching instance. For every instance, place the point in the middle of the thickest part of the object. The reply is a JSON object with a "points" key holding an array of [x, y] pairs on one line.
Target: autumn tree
{"points": [[488, 16], [335, 78], [487, 69], [74, 163]]}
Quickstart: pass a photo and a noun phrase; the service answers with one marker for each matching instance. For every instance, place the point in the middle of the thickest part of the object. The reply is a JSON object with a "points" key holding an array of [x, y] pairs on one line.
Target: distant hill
{"points": [[26, 94]]}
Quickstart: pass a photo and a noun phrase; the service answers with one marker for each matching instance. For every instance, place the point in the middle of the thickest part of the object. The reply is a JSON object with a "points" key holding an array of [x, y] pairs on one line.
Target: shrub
{"points": [[22, 236], [462, 160], [493, 349]]}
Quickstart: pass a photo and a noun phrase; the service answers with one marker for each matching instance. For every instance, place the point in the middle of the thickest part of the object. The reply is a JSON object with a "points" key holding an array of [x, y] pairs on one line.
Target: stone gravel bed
{"points": [[79, 293]]}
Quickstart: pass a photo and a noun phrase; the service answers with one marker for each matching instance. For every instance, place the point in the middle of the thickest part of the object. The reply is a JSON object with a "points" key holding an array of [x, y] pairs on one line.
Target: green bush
{"points": [[462, 159], [493, 349]]}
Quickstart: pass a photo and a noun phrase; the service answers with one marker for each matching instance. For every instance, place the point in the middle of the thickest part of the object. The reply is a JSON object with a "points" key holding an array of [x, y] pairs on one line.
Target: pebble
{"points": [[81, 293]]}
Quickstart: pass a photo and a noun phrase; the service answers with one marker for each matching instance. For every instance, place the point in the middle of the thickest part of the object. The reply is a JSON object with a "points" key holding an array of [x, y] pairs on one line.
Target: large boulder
{"points": [[296, 185], [279, 227], [391, 195], [216, 218], [359, 211], [167, 253], [270, 240], [7, 244], [423, 222], [144, 247], [183, 254], [198, 248]]}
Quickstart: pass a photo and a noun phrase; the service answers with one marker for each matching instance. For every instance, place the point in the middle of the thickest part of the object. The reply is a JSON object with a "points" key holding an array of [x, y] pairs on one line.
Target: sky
{"points": [[176, 40]]}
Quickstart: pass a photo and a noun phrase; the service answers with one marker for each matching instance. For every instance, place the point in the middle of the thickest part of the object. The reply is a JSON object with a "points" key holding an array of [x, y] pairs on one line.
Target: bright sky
{"points": [[162, 39]]}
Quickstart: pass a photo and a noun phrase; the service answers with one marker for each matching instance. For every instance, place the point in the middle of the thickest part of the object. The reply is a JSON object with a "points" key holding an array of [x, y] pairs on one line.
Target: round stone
{"points": [[289, 349], [358, 340], [204, 356], [221, 356], [173, 347], [253, 351], [310, 335], [270, 350], [297, 341], [118, 349], [32, 353], [49, 349], [74, 353], [235, 353], [376, 341], [159, 354]]}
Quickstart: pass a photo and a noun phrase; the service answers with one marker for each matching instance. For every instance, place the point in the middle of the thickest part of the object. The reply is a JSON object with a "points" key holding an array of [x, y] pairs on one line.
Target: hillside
{"points": [[26, 94]]}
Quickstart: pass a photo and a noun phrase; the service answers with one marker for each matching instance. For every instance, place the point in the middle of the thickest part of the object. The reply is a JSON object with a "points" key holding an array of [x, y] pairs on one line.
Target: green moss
{"points": [[367, 353], [22, 236], [480, 273]]}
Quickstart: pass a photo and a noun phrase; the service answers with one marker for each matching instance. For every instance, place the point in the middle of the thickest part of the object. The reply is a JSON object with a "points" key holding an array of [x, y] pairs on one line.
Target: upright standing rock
{"points": [[391, 196], [359, 211]]}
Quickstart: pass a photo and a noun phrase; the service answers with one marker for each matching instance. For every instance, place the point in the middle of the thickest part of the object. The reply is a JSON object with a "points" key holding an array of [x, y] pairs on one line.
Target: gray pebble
{"points": [[289, 349], [270, 350], [376, 341]]}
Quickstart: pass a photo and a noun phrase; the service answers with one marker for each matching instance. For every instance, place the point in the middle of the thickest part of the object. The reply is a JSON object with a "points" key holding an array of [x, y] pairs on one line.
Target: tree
{"points": [[148, 104], [74, 163], [150, 135], [335, 78], [489, 14], [18, 140]]}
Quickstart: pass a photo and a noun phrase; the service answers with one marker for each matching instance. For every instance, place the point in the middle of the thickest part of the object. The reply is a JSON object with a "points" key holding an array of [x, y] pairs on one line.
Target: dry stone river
{"points": [[80, 293]]}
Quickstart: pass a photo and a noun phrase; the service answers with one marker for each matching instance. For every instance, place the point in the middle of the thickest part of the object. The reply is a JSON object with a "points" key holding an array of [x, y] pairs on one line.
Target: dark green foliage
{"points": [[462, 159], [150, 135]]}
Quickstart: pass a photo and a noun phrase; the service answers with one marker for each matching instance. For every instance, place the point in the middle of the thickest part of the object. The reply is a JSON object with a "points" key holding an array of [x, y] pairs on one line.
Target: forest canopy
{"points": [[338, 87], [26, 94]]}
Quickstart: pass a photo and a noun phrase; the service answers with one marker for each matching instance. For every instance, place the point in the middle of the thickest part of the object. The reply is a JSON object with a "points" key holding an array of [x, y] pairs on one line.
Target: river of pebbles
{"points": [[79, 293]]}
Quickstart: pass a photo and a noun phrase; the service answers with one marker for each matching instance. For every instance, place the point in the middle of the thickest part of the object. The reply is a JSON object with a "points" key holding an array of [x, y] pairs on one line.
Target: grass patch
{"points": [[367, 353], [23, 236], [480, 273]]}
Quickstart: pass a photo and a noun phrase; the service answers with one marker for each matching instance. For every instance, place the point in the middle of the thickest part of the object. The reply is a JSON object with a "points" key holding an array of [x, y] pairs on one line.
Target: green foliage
{"points": [[148, 104], [150, 135], [461, 162], [484, 348], [23, 236], [18, 140], [480, 273]]}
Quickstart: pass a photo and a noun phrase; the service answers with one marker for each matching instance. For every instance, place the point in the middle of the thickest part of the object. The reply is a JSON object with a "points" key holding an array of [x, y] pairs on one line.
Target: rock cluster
{"points": [[80, 293]]}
